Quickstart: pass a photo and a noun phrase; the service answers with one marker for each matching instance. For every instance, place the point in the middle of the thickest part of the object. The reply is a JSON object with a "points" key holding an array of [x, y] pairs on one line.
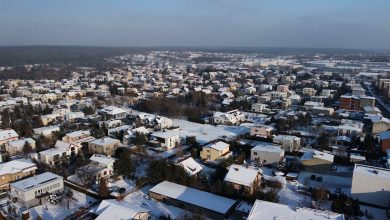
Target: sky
{"points": [[356, 24]]}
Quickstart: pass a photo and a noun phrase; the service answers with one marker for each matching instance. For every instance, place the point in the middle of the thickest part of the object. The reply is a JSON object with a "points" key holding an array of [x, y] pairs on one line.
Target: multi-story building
{"points": [[356, 103]]}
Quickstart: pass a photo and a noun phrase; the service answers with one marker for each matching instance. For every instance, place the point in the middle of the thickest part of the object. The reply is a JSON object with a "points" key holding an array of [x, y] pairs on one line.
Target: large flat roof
{"points": [[193, 196], [36, 181]]}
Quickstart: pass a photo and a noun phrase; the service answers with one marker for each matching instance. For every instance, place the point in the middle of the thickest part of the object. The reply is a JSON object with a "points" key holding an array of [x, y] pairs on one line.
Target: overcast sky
{"points": [[361, 24]]}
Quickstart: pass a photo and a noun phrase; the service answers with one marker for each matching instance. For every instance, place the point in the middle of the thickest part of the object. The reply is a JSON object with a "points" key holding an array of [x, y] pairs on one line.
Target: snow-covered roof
{"points": [[191, 166], [19, 144], [78, 133], [15, 166], [113, 110], [36, 181], [267, 147], [114, 209], [372, 171], [220, 145], [165, 134], [193, 196], [309, 155], [105, 141], [271, 211], [241, 175], [102, 159], [7, 134]]}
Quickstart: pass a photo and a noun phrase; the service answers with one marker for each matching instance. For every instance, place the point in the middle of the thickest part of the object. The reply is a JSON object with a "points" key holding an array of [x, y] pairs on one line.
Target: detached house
{"points": [[165, 140], [289, 142], [190, 166], [317, 161], [112, 112], [100, 167], [105, 146], [215, 151], [32, 191], [14, 170], [243, 178], [267, 153], [53, 155], [16, 147], [7, 135], [228, 118]]}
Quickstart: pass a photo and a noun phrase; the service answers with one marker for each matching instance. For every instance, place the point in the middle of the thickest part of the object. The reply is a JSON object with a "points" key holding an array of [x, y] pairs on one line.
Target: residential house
{"points": [[112, 112], [384, 139], [243, 178], [15, 170], [116, 209], [7, 135], [54, 155], [101, 166], [215, 151], [105, 146], [16, 147], [267, 153], [32, 191], [289, 142], [317, 161], [228, 118], [165, 140], [265, 131], [190, 166], [46, 131]]}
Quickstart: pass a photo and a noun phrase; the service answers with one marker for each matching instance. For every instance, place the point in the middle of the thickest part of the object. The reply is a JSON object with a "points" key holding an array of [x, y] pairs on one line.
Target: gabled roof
{"points": [[113, 209], [191, 166], [241, 175], [218, 146]]}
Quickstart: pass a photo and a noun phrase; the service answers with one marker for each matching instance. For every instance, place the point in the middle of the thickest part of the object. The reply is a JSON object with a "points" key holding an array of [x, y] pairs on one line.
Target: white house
{"points": [[113, 112], [51, 156], [46, 131], [267, 153], [288, 142], [165, 139], [229, 118], [32, 191]]}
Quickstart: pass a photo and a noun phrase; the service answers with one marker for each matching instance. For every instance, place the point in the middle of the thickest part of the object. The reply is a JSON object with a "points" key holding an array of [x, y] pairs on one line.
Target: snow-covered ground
{"points": [[288, 196], [205, 133], [129, 185], [330, 182], [59, 211], [141, 198]]}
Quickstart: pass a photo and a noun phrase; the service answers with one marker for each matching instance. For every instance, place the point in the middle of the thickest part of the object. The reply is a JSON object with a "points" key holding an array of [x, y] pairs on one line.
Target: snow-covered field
{"points": [[157, 209], [205, 133], [59, 211]]}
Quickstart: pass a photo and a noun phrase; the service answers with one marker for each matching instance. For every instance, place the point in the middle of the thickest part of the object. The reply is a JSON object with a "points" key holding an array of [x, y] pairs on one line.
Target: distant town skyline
{"points": [[355, 24]]}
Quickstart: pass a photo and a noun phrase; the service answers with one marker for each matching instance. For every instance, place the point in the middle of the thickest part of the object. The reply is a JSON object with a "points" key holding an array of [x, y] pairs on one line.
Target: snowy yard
{"points": [[59, 211], [330, 182], [205, 133], [157, 209], [288, 196], [127, 184]]}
